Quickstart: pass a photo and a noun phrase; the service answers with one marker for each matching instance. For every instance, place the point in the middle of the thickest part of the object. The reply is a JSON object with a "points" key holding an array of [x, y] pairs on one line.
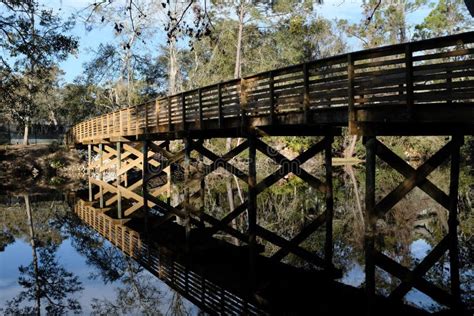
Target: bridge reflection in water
{"points": [[411, 89], [216, 276]]}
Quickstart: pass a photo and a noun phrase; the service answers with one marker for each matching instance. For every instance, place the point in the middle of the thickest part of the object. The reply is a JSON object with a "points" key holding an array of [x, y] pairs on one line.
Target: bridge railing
{"points": [[163, 263], [398, 78]]}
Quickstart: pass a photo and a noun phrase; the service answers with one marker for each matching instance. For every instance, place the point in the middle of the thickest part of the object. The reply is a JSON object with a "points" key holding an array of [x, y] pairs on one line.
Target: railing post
{"points": [[137, 121], [121, 122], [169, 114], [243, 104], [146, 118], [350, 95], [183, 110], [200, 108], [409, 80], [219, 105], [272, 97], [113, 124], [306, 102], [449, 87], [157, 114], [129, 121]]}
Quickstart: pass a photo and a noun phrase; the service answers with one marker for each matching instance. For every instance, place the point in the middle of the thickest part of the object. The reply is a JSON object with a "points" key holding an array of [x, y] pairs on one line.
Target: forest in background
{"points": [[204, 42]]}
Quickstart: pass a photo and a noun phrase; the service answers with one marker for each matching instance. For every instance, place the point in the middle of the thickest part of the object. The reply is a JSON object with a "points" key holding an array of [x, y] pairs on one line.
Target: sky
{"points": [[90, 40]]}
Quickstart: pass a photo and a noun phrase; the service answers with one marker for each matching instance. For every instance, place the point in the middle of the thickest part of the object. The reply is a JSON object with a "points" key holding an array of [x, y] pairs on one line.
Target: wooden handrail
{"points": [[381, 76]]}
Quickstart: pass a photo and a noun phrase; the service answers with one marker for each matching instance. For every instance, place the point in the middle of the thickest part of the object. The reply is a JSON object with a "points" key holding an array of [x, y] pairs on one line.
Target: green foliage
{"points": [[446, 17], [33, 41], [48, 282], [385, 22]]}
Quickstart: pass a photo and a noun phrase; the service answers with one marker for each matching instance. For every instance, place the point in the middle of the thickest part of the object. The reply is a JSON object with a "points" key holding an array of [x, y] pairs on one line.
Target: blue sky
{"points": [[90, 40]]}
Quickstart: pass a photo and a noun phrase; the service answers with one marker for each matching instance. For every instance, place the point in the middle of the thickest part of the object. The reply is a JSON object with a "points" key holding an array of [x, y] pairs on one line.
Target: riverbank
{"points": [[40, 167]]}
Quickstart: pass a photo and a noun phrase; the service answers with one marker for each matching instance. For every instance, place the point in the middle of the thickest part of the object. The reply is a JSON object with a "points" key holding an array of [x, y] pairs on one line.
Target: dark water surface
{"points": [[79, 271], [50, 258]]}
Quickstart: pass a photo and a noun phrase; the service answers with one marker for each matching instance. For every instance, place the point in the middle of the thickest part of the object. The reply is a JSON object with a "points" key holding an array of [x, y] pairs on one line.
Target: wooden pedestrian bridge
{"points": [[417, 88]]}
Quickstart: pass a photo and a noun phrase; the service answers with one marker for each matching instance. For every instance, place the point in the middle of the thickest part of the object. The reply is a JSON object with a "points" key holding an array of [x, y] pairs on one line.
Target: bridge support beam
{"points": [[252, 206], [119, 180], [377, 210], [136, 194], [89, 171]]}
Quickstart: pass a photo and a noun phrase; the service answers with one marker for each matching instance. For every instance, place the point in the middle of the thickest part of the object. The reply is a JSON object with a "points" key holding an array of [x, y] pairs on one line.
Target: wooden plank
{"points": [[409, 81], [453, 223], [370, 222], [350, 94]]}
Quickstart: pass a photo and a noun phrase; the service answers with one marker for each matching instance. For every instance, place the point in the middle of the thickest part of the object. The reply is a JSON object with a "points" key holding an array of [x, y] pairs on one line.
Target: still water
{"points": [[74, 269], [55, 262]]}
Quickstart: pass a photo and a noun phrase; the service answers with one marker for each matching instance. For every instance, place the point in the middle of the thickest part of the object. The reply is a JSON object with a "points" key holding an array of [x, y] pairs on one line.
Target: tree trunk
{"points": [[52, 115], [173, 67], [238, 54], [35, 255], [237, 74], [26, 132], [349, 151]]}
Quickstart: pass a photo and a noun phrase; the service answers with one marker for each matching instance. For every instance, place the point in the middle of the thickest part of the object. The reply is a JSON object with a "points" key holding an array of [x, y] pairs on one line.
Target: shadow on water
{"points": [[70, 248]]}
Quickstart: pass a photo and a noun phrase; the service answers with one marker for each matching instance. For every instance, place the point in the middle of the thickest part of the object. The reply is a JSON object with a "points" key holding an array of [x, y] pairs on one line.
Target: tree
{"points": [[139, 295], [385, 22], [33, 39], [44, 279], [446, 17]]}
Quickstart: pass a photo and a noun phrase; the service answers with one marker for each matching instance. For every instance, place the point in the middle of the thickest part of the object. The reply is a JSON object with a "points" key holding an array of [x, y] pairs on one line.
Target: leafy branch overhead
{"points": [[180, 18]]}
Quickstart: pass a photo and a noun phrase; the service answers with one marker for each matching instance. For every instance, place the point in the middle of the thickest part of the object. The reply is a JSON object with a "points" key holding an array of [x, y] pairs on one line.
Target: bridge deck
{"points": [[417, 88]]}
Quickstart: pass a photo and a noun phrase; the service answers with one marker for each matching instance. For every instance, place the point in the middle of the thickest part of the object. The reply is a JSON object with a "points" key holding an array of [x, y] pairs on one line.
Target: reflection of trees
{"points": [[177, 307], [43, 280], [108, 261], [137, 295]]}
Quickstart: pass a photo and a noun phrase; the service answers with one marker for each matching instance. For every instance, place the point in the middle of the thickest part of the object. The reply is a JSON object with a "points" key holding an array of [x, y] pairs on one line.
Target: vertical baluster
{"points": [[169, 114], [200, 108], [146, 118], [409, 80], [121, 122], [157, 113], [306, 102], [183, 110], [243, 103], [350, 94], [129, 121], [271, 87], [219, 105]]}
